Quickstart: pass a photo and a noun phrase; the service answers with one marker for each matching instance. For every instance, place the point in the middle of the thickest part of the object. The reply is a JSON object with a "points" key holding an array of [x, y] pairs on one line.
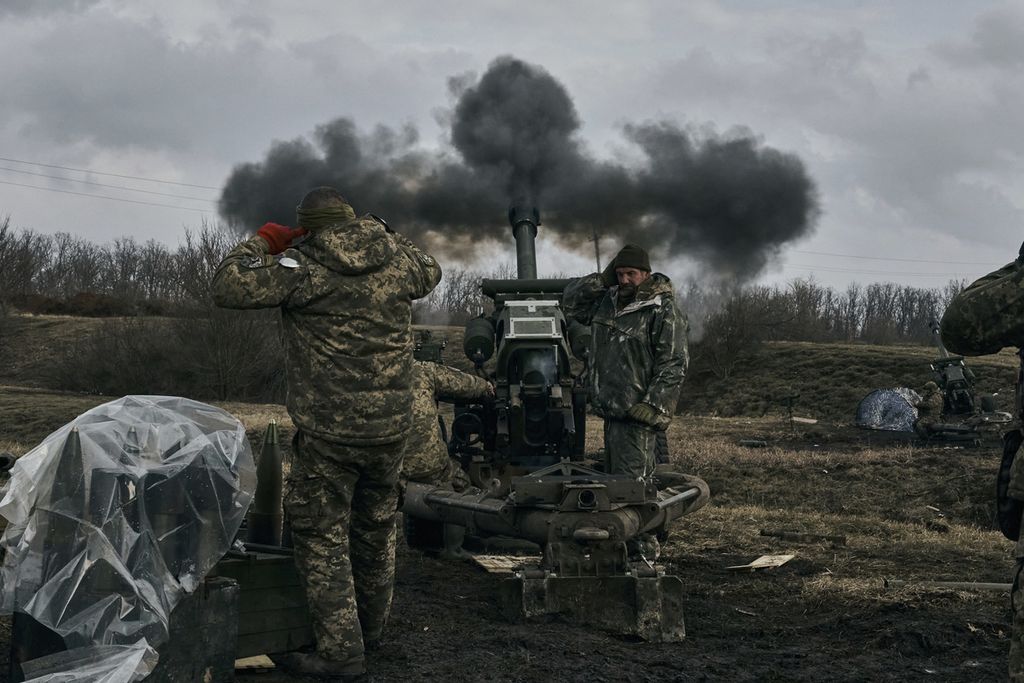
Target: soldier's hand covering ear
{"points": [[278, 237], [646, 414], [608, 277]]}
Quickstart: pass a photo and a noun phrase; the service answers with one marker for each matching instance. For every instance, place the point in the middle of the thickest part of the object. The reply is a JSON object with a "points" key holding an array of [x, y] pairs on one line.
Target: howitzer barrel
{"points": [[524, 222], [934, 326], [526, 255]]}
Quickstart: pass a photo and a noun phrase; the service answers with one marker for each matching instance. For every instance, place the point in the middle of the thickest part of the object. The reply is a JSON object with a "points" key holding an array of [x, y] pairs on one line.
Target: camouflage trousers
{"points": [[1017, 627], [629, 448], [342, 502]]}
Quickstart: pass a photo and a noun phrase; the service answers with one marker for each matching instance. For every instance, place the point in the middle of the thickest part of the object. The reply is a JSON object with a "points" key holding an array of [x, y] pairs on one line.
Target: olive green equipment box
{"points": [[272, 612]]}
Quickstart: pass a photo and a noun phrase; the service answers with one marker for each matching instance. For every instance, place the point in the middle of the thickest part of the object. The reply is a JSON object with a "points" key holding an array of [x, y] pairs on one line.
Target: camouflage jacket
{"points": [[988, 315], [638, 352], [346, 305], [426, 454], [985, 318], [929, 408]]}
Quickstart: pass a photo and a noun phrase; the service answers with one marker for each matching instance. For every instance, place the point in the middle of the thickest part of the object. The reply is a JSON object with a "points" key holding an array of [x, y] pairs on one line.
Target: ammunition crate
{"points": [[272, 612]]}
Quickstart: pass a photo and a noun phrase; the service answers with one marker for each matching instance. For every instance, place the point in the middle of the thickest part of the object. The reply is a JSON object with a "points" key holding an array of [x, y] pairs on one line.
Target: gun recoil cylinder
{"points": [[479, 340]]}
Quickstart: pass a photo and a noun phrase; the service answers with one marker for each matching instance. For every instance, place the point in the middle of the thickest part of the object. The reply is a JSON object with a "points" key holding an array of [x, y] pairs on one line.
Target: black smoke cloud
{"points": [[725, 200]]}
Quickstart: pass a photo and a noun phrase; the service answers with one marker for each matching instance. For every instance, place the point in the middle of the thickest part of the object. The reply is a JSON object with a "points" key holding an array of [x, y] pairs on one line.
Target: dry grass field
{"points": [[908, 511]]}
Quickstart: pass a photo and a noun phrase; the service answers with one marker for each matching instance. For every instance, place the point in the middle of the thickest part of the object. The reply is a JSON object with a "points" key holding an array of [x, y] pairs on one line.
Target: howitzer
{"points": [[954, 378], [524, 450]]}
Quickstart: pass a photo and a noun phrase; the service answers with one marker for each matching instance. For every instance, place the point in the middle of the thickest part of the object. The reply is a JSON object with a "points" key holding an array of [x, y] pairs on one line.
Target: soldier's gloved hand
{"points": [[278, 237], [645, 414], [608, 276]]}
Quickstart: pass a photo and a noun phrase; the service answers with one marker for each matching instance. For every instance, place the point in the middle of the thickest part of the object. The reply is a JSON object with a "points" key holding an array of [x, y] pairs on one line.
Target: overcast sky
{"points": [[906, 114]]}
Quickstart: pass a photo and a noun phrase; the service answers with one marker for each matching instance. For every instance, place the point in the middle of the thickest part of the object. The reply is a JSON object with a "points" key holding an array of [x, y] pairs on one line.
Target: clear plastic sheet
{"points": [[96, 664], [118, 513]]}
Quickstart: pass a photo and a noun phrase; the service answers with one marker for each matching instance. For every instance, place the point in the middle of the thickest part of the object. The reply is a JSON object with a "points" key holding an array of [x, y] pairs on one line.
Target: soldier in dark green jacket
{"points": [[345, 287], [985, 318], [638, 355]]}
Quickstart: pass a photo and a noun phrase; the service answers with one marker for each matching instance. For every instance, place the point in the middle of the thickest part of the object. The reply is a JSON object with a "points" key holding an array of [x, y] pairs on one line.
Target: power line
{"points": [[113, 175], [892, 273], [116, 187], [886, 258], [101, 196]]}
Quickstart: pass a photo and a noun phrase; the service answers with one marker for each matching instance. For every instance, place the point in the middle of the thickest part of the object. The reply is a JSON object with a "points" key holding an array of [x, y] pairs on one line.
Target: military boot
{"points": [[312, 664]]}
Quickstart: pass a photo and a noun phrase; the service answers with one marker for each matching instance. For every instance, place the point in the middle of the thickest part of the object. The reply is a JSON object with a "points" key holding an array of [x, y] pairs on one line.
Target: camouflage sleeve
{"points": [[988, 315], [671, 358], [582, 296], [452, 385], [249, 277], [426, 272]]}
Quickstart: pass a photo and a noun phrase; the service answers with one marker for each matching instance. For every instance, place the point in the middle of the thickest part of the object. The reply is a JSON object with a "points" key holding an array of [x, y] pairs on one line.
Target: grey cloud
{"points": [[111, 82], [37, 8], [915, 151], [252, 24], [117, 83], [997, 40], [918, 77]]}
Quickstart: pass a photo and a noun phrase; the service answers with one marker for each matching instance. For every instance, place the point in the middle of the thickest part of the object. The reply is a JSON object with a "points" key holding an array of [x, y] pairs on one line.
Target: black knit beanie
{"points": [[632, 256]]}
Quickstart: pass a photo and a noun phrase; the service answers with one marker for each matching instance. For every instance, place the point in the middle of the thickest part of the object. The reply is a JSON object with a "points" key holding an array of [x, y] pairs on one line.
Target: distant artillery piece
{"points": [[963, 414], [969, 410], [428, 348], [954, 378]]}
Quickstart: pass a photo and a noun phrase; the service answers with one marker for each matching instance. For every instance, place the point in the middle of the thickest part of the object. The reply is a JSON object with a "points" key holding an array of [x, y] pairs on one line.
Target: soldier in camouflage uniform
{"points": [[426, 459], [345, 287], [986, 317], [638, 355], [929, 409]]}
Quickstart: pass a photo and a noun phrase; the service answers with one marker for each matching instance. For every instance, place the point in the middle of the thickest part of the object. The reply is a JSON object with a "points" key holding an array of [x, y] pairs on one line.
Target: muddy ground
{"points": [[824, 616], [908, 511]]}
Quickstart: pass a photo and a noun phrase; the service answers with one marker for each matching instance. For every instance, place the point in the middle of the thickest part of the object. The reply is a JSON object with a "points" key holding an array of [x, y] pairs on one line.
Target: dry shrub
{"points": [[212, 354]]}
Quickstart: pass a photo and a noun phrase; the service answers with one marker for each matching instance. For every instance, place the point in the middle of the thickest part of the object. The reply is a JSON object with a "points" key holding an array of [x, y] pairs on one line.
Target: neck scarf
{"points": [[314, 219]]}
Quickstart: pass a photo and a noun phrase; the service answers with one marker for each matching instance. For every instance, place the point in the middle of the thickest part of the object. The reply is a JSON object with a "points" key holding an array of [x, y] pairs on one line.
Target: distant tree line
{"points": [[729, 322], [161, 333], [164, 334], [63, 273]]}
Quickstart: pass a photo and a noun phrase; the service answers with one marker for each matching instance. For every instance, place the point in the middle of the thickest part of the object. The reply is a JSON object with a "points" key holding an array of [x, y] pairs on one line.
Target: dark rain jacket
{"points": [[638, 352], [345, 294]]}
